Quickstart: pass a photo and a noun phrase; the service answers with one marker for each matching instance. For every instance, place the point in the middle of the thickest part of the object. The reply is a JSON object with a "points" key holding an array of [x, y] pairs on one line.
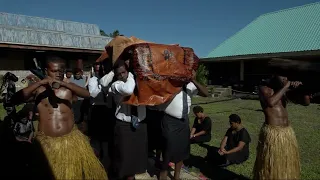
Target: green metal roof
{"points": [[289, 30]]}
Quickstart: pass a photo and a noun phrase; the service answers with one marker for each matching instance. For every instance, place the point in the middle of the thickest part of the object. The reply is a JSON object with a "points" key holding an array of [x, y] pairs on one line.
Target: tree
{"points": [[202, 75], [112, 35], [102, 33]]}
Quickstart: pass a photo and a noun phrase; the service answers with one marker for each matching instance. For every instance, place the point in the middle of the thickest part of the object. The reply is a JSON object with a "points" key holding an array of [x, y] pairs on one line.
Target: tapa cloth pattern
{"points": [[71, 156], [161, 71], [277, 154]]}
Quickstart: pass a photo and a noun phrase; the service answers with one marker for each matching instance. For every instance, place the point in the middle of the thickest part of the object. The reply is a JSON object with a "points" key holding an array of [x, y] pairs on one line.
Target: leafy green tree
{"points": [[114, 34], [202, 74], [102, 33]]}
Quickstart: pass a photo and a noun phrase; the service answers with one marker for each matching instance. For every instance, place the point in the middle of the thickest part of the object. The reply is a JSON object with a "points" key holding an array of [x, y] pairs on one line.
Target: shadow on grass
{"points": [[21, 159], [210, 170]]}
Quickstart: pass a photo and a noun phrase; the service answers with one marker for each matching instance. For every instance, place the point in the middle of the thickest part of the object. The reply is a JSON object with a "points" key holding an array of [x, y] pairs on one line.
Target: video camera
{"points": [[9, 80]]}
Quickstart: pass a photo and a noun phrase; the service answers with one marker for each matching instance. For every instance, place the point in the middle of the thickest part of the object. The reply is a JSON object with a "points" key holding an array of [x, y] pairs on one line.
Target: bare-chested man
{"points": [[277, 151], [67, 149]]}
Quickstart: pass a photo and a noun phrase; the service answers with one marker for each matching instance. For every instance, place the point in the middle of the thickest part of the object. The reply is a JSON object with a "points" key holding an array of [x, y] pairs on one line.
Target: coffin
{"points": [[160, 70]]}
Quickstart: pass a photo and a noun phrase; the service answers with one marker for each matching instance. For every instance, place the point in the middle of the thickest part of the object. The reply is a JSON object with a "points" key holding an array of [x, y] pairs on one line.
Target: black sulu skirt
{"points": [[176, 136], [130, 149]]}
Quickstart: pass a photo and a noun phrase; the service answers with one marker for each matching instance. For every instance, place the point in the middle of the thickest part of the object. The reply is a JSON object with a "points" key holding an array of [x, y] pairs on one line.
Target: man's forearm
{"points": [[193, 131], [236, 149], [203, 91], [200, 133], [275, 98], [223, 144], [77, 90], [107, 79], [125, 89], [25, 94]]}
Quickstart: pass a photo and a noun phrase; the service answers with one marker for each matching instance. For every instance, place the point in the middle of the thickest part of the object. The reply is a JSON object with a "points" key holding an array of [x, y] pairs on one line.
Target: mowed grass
{"points": [[304, 120]]}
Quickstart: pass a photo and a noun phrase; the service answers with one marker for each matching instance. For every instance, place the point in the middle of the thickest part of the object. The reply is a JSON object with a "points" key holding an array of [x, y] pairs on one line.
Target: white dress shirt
{"points": [[174, 107], [120, 90], [95, 89]]}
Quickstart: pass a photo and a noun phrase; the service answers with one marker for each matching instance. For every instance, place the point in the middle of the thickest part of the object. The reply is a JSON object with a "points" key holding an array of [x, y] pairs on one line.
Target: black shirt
{"points": [[234, 137], [205, 125]]}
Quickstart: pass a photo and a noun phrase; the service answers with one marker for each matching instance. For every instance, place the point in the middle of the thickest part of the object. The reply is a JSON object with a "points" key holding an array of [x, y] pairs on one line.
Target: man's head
{"points": [[69, 73], [121, 70], [235, 121], [55, 67], [77, 73], [277, 82], [198, 112]]}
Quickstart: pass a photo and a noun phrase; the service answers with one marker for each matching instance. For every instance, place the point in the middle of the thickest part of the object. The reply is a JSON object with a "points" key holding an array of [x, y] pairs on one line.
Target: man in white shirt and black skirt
{"points": [[175, 127], [130, 133]]}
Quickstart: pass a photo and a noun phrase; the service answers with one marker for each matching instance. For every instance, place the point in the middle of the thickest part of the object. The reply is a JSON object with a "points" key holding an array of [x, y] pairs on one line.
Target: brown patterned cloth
{"points": [[161, 71]]}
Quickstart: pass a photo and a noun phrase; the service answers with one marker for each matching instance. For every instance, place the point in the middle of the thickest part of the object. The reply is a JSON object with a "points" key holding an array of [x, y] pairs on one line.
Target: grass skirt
{"points": [[71, 156], [277, 154]]}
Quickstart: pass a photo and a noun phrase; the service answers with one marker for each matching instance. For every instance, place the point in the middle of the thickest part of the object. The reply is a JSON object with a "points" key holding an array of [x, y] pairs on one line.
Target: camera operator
{"points": [[23, 128]]}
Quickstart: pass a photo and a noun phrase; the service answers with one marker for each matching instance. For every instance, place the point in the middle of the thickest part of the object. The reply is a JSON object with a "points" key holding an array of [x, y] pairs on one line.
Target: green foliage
{"points": [[102, 33], [112, 35], [202, 75]]}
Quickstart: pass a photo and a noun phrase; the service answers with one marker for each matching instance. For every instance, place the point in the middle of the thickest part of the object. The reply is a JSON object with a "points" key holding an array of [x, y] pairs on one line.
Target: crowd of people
{"points": [[71, 107]]}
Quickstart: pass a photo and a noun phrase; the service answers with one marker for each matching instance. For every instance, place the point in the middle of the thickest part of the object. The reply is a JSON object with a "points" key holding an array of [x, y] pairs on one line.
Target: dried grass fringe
{"points": [[277, 154], [71, 156]]}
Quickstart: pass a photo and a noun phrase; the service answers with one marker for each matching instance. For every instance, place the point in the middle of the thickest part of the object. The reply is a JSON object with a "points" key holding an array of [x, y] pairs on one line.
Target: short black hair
{"points": [[197, 109], [69, 70], [54, 59], [235, 118], [76, 70], [119, 64]]}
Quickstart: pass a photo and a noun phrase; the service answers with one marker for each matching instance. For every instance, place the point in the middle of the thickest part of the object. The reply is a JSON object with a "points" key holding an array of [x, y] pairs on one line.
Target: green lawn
{"points": [[305, 121]]}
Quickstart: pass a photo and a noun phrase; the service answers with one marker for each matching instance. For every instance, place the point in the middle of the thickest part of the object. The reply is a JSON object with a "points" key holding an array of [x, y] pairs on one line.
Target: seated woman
{"points": [[234, 148], [201, 130]]}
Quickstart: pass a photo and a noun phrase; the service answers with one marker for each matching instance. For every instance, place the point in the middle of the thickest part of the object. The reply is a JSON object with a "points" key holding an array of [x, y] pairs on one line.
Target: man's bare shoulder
{"points": [[265, 90]]}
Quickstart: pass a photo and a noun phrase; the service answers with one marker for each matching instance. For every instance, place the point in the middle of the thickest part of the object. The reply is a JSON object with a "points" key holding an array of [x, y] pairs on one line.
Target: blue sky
{"points": [[202, 24]]}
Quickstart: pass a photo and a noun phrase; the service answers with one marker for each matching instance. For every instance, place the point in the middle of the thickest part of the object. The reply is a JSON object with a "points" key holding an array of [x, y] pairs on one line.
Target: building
{"points": [[23, 38], [292, 34]]}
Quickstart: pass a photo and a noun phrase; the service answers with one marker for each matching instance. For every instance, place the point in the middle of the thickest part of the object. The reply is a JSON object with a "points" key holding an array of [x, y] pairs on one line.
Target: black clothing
{"points": [[77, 108], [176, 136], [130, 149], [200, 139], [205, 125], [100, 130], [153, 120], [234, 137]]}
